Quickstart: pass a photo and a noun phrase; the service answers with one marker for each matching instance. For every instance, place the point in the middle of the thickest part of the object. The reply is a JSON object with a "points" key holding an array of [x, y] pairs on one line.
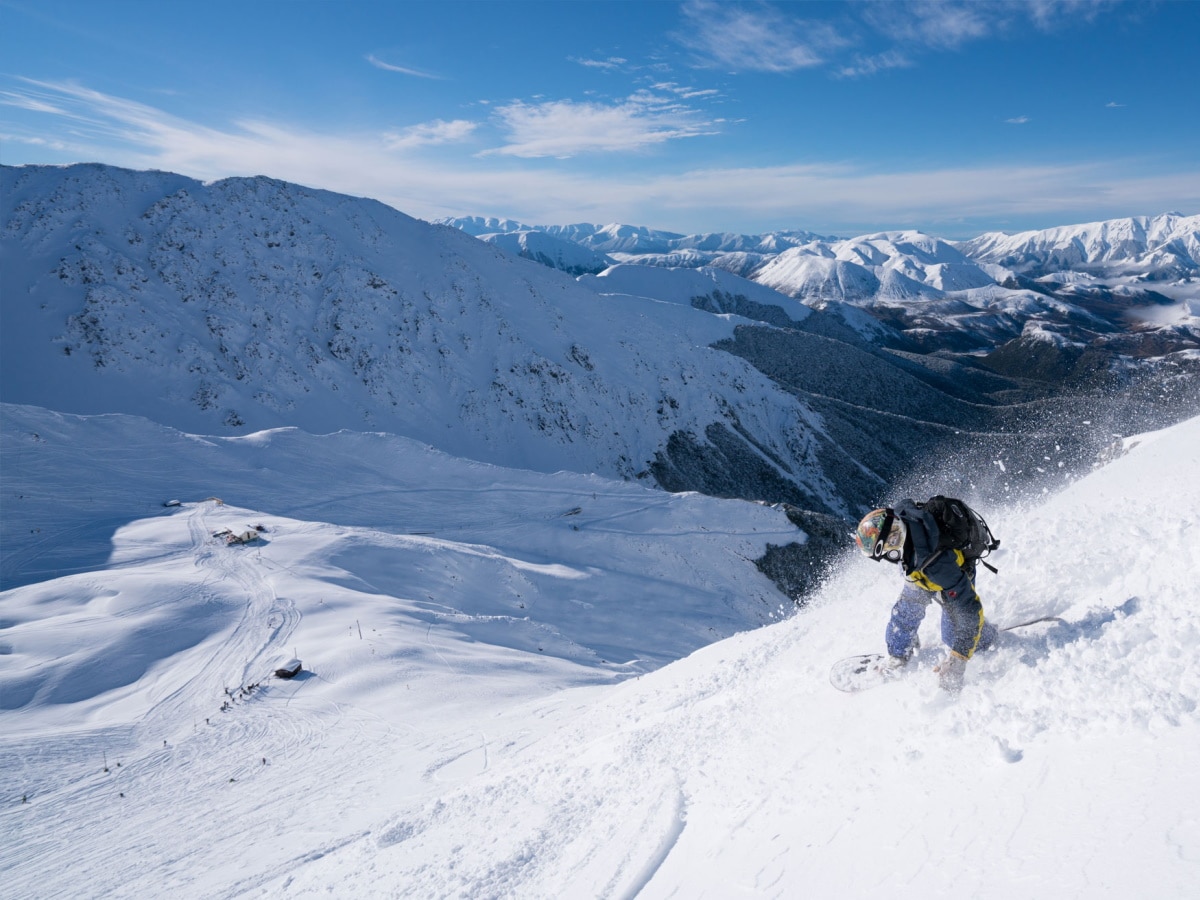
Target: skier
{"points": [[909, 535]]}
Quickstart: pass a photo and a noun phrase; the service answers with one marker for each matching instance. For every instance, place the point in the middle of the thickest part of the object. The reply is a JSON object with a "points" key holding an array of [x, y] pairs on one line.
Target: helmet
{"points": [[881, 535]]}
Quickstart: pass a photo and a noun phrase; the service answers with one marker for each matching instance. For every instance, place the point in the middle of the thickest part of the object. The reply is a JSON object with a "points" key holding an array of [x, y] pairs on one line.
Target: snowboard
{"points": [[858, 673], [869, 670]]}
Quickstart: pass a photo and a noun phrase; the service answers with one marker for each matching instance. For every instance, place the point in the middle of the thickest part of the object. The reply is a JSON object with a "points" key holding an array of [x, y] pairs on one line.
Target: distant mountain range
{"points": [[1161, 248], [1081, 300]]}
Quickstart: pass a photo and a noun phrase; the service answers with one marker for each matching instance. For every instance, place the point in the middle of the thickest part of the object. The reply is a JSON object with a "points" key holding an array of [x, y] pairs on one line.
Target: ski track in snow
{"points": [[420, 759], [195, 737]]}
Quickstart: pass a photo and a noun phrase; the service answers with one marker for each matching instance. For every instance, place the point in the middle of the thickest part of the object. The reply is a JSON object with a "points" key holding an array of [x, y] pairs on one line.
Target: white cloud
{"points": [[869, 65], [741, 36], [949, 24], [935, 24], [1049, 15], [754, 38], [403, 70], [838, 197], [30, 102], [834, 198], [430, 134], [684, 93], [1114, 105], [613, 62], [565, 128], [1017, 120]]}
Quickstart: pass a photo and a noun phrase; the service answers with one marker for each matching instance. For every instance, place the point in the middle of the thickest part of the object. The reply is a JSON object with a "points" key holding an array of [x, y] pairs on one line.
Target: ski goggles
{"points": [[891, 555]]}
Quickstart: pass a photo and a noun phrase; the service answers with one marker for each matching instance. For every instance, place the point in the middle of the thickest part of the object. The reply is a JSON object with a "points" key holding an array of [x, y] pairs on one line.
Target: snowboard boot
{"points": [[950, 672]]}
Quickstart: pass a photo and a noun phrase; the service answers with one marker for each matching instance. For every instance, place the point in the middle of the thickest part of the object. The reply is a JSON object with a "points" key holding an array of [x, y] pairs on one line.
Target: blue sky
{"points": [[841, 118]]}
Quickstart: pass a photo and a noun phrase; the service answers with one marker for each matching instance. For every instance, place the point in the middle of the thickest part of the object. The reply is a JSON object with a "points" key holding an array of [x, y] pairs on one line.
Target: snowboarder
{"points": [[935, 568]]}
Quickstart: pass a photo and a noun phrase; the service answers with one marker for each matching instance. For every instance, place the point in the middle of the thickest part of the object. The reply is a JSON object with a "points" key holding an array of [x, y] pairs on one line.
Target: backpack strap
{"points": [[884, 530]]}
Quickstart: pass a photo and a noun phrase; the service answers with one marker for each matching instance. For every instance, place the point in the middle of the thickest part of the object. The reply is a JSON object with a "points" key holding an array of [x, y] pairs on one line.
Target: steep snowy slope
{"points": [[1065, 767], [251, 303], [442, 745]]}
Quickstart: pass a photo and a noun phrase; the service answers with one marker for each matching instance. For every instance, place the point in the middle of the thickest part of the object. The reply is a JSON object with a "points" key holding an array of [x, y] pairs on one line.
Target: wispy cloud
{"points": [[685, 93], [869, 65], [835, 198], [759, 36], [841, 197], [403, 70], [1017, 120], [941, 25], [755, 38], [565, 128], [948, 24], [30, 102], [1049, 15], [1112, 104], [613, 62], [430, 134]]}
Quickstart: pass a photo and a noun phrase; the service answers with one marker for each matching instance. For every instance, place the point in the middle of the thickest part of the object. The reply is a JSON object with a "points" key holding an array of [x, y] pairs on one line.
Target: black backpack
{"points": [[961, 528]]}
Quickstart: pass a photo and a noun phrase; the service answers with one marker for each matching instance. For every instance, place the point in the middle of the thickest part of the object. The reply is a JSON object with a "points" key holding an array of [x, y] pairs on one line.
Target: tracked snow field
{"points": [[523, 685]]}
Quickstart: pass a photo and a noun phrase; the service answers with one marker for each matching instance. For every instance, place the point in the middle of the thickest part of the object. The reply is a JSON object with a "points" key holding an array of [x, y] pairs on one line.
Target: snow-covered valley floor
{"points": [[525, 685]]}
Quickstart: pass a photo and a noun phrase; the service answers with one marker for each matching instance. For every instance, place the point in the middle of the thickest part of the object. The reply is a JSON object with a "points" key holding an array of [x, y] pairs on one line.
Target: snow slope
{"points": [[445, 752], [688, 286]]}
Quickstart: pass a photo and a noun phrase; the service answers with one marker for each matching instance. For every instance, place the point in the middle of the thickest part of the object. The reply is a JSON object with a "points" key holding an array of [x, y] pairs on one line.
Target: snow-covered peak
{"points": [[813, 278], [566, 256], [1158, 247], [481, 225]]}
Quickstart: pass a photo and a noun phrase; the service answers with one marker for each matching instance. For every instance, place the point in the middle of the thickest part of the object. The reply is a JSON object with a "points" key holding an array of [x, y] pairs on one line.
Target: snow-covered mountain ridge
{"points": [[1145, 248], [1149, 248], [1094, 296], [250, 303], [637, 239]]}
